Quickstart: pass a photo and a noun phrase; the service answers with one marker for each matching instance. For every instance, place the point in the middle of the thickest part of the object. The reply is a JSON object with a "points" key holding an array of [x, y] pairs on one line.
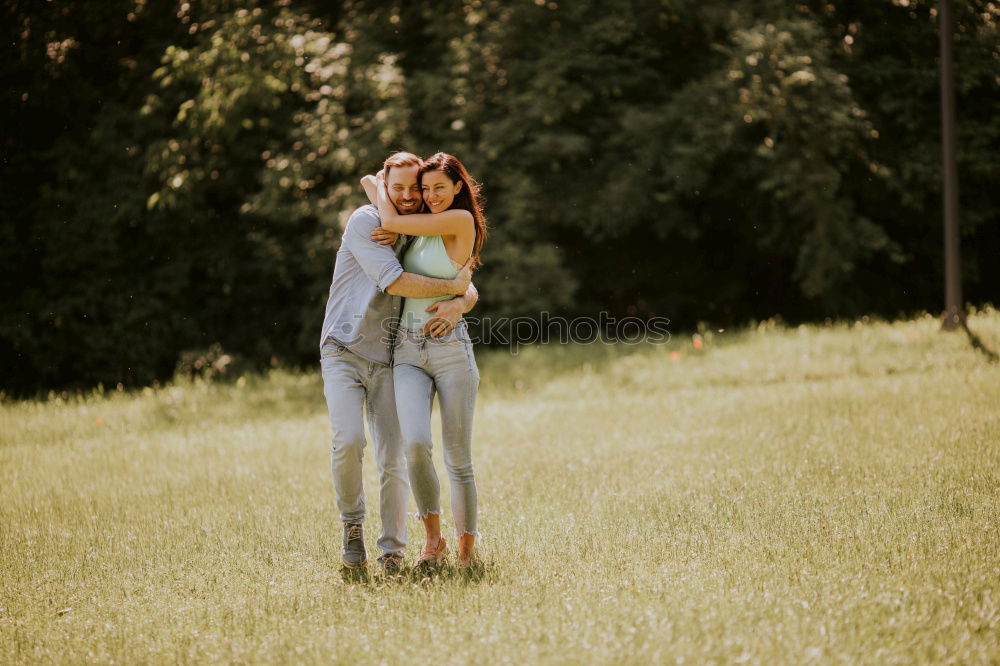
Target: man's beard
{"points": [[408, 205]]}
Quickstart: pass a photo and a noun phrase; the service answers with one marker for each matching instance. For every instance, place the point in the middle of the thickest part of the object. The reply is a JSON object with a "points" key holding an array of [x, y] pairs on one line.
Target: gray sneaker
{"points": [[392, 563], [354, 546]]}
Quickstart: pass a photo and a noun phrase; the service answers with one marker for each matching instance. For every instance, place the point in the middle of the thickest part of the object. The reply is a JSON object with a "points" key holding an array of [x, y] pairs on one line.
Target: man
{"points": [[355, 348]]}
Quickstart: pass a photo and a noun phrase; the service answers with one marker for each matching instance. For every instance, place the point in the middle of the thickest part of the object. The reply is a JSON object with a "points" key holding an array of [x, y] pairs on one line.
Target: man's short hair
{"points": [[401, 159]]}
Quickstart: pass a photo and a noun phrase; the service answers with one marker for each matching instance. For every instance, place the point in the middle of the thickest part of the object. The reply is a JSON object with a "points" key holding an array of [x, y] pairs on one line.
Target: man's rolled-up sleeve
{"points": [[377, 261]]}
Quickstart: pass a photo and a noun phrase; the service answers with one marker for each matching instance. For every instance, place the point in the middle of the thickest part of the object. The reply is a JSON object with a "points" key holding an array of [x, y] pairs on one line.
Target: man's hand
{"points": [[446, 315], [384, 236], [462, 279]]}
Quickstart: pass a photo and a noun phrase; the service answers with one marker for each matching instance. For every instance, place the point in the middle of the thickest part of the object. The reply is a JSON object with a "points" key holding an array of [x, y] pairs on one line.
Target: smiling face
{"points": [[438, 190], [404, 190]]}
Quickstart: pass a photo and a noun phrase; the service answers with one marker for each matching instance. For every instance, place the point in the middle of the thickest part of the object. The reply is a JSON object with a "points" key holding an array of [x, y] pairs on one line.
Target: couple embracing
{"points": [[393, 337]]}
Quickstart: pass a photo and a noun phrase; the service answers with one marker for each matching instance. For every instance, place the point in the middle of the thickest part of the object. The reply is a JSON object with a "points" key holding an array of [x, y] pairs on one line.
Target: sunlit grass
{"points": [[791, 494]]}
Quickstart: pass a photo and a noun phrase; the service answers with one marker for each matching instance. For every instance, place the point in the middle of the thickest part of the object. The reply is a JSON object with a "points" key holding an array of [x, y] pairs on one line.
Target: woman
{"points": [[449, 235]]}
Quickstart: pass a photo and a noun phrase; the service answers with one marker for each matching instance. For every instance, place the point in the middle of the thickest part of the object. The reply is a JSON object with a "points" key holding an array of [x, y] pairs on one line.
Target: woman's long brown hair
{"points": [[469, 198]]}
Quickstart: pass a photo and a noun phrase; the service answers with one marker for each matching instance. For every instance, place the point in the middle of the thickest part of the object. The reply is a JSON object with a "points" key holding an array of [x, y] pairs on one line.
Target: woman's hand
{"points": [[384, 236]]}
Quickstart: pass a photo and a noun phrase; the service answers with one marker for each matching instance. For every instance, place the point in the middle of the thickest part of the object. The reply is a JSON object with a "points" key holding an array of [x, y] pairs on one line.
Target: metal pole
{"points": [[954, 312]]}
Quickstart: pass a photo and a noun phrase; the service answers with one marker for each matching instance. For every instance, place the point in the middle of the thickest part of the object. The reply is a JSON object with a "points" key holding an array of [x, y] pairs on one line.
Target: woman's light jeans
{"points": [[422, 366]]}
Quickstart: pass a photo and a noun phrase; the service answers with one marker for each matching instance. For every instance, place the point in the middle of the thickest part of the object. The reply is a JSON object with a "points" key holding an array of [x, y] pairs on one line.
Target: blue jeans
{"points": [[423, 366], [352, 384]]}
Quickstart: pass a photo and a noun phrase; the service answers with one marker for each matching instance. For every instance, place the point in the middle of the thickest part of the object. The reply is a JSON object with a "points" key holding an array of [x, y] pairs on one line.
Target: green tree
{"points": [[180, 174]]}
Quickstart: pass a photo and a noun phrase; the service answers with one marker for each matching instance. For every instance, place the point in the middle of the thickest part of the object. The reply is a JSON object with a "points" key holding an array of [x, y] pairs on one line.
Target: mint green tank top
{"points": [[425, 256]]}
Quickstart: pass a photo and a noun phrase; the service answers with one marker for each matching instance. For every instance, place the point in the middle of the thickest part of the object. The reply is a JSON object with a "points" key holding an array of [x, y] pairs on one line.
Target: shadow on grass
{"points": [[357, 576], [419, 575], [425, 574]]}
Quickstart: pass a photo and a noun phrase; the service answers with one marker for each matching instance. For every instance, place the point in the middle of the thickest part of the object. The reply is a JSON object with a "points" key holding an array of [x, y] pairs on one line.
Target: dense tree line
{"points": [[176, 174]]}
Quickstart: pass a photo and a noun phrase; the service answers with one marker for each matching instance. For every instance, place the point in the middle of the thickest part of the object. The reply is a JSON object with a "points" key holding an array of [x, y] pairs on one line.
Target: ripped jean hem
{"points": [[423, 516]]}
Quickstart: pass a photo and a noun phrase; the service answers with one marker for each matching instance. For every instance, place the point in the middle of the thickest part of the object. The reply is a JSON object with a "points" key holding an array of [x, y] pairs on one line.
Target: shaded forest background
{"points": [[176, 174]]}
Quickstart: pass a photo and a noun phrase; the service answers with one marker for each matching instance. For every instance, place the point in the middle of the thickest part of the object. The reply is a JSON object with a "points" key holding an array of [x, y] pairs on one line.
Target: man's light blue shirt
{"points": [[360, 314]]}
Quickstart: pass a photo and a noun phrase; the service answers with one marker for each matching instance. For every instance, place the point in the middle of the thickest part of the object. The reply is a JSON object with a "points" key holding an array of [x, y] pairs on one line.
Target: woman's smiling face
{"points": [[438, 190]]}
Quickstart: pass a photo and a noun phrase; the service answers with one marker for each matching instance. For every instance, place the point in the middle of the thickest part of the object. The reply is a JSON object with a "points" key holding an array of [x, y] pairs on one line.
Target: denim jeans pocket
{"points": [[332, 348], [458, 336]]}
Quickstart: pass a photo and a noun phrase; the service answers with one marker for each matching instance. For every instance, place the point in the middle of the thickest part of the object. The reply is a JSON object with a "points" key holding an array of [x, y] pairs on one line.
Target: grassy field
{"points": [[813, 494]]}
